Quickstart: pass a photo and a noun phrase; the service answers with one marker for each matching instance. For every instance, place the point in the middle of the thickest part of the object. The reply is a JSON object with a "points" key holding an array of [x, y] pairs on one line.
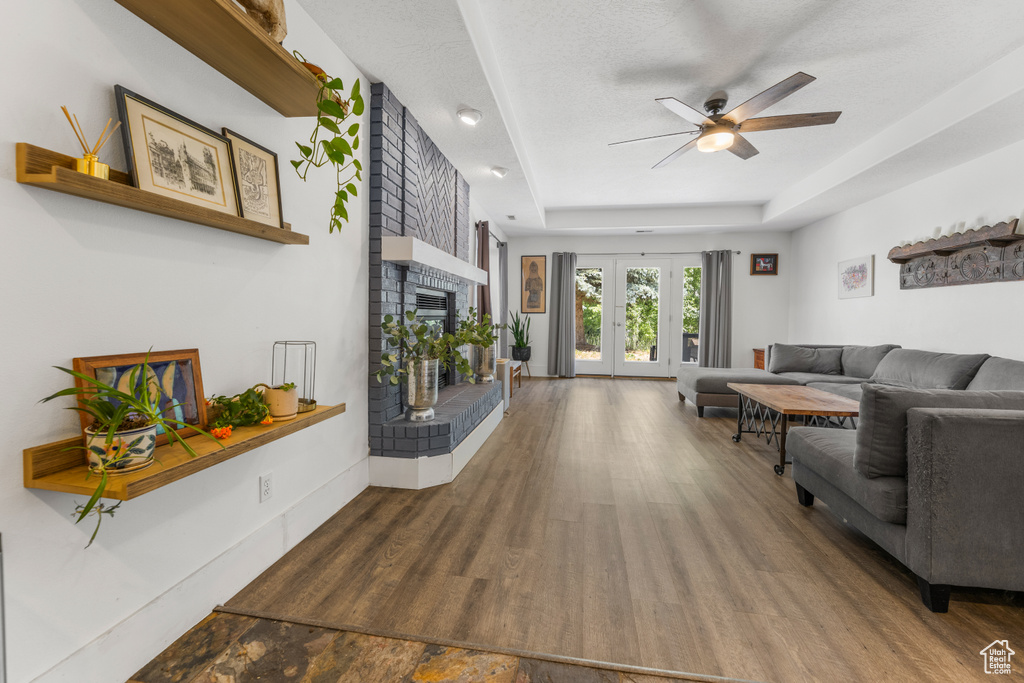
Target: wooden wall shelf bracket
{"points": [[221, 34], [50, 170], [60, 467]]}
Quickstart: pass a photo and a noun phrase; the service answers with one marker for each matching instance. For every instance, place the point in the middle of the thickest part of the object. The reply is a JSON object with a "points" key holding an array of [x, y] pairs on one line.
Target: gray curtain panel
{"points": [[483, 261], [715, 350], [562, 331], [503, 297]]}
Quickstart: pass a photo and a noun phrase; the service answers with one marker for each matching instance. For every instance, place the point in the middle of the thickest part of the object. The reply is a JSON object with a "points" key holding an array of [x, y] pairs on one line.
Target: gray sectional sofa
{"points": [[934, 471], [837, 369]]}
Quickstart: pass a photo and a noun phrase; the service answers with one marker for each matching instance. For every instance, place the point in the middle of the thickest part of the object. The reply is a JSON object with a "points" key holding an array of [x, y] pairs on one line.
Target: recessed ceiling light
{"points": [[511, 217], [470, 117], [645, 231], [499, 171]]}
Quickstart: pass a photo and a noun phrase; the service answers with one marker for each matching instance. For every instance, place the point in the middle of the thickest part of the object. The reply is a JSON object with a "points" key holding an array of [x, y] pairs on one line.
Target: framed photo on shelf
{"points": [[764, 264], [857, 277], [176, 373], [257, 178], [172, 156], [534, 280]]}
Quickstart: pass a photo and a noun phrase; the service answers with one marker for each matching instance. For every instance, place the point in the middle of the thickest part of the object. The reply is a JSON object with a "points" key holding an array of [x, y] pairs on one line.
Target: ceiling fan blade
{"points": [[820, 118], [742, 148], [686, 111], [678, 153], [653, 137], [762, 101]]}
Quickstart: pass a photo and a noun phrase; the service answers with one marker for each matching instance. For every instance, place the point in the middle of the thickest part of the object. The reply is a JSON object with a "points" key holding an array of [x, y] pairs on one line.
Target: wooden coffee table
{"points": [[765, 409]]}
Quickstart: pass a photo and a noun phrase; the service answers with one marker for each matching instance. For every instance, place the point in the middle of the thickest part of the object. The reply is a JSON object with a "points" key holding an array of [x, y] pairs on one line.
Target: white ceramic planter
{"points": [[129, 450]]}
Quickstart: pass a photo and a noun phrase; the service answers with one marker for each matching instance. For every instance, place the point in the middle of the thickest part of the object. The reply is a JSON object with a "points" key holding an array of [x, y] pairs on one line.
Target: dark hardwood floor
{"points": [[603, 520]]}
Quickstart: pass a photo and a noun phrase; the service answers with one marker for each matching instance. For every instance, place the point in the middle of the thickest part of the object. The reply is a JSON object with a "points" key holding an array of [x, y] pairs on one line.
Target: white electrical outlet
{"points": [[266, 486]]}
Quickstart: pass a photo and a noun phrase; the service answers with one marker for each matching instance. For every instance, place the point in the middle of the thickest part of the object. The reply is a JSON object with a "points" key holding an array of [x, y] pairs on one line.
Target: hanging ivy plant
{"points": [[333, 141]]}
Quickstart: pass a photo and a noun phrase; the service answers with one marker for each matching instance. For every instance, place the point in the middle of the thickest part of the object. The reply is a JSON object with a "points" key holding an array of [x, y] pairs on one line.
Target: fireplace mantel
{"points": [[411, 251]]}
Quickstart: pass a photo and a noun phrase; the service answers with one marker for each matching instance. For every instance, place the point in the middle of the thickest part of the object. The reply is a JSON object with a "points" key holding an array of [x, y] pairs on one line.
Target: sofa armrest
{"points": [[965, 506]]}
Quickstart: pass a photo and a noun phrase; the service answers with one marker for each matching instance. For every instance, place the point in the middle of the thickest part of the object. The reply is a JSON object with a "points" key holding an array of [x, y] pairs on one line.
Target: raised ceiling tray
{"points": [[221, 34]]}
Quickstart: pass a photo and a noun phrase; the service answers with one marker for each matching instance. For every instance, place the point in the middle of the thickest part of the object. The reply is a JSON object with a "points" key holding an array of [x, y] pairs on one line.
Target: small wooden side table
{"points": [[515, 370], [759, 359]]}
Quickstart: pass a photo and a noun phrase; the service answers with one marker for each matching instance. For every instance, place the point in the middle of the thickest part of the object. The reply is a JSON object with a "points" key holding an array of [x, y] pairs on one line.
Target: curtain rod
{"points": [[645, 253]]}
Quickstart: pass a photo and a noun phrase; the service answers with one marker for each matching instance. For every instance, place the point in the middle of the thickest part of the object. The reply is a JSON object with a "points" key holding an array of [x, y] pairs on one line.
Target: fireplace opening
{"points": [[435, 306]]}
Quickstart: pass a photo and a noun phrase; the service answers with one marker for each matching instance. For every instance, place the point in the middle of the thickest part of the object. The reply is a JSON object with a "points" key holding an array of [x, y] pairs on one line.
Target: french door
{"points": [[624, 324]]}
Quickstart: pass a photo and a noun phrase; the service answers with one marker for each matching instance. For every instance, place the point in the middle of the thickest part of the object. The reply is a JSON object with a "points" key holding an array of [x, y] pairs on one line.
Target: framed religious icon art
{"points": [[534, 281]]}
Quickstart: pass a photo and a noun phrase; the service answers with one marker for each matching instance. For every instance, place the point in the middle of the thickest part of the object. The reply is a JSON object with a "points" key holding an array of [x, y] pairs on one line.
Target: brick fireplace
{"points": [[416, 192]]}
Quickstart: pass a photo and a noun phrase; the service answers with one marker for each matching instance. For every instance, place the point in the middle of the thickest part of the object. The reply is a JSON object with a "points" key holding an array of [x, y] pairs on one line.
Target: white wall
{"points": [[81, 278], [970, 319], [760, 303]]}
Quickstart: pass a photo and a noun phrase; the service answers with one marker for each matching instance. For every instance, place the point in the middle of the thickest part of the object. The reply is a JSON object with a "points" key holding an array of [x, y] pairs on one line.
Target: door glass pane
{"points": [[691, 314], [589, 293], [642, 286]]}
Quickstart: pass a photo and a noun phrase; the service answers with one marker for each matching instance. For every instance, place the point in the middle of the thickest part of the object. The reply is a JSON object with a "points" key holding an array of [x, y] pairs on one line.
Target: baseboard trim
{"points": [[512, 652], [129, 645], [432, 470]]}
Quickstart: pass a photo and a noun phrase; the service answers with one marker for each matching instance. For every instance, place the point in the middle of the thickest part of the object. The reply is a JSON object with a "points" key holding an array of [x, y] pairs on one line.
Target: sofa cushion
{"points": [[999, 374], [693, 380], [829, 453], [882, 433], [851, 391], [809, 377], [789, 358], [861, 361], [927, 370]]}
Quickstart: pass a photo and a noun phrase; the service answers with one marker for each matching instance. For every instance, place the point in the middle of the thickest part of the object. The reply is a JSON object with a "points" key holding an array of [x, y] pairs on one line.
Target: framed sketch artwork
{"points": [[534, 292], [172, 156], [857, 277], [257, 178]]}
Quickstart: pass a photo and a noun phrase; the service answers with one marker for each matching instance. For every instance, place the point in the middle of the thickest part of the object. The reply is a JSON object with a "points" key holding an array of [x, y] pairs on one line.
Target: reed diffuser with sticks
{"points": [[90, 162]]}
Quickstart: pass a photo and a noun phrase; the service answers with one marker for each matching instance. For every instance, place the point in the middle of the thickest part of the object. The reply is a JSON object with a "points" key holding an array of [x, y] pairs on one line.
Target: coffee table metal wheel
{"points": [[736, 438], [780, 470]]}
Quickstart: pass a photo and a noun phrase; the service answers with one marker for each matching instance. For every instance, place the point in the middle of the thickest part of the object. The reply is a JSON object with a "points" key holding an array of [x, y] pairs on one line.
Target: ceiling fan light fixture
{"points": [[470, 117], [499, 171], [715, 139]]}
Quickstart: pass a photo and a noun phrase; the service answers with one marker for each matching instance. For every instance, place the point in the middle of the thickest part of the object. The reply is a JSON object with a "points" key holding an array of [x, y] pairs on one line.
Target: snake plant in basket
{"points": [[122, 436]]}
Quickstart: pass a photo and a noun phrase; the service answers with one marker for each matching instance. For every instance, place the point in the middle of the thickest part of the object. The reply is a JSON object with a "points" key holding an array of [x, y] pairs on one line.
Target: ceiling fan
{"points": [[717, 131]]}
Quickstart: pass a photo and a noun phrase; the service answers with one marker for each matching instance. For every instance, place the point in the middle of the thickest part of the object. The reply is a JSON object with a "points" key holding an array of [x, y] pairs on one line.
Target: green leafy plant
{"points": [[414, 340], [287, 386], [520, 330], [114, 410], [481, 333], [240, 410], [333, 141]]}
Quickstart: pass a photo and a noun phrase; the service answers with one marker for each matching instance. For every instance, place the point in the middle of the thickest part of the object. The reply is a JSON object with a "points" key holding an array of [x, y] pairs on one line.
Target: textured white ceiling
{"points": [[558, 80]]}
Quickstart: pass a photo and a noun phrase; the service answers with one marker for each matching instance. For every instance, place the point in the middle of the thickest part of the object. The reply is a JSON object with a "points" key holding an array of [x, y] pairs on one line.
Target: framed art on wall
{"points": [[257, 178], [857, 277], [534, 280], [764, 264], [172, 156], [174, 374]]}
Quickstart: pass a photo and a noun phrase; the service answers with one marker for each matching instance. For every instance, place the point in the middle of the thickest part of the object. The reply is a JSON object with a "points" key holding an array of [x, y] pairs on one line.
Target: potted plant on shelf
{"points": [[122, 436], [421, 347], [481, 339], [521, 337], [332, 140], [240, 410], [282, 399]]}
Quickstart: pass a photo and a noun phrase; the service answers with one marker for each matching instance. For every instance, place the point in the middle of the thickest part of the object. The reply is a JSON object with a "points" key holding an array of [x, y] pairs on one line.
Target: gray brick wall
{"points": [[414, 191]]}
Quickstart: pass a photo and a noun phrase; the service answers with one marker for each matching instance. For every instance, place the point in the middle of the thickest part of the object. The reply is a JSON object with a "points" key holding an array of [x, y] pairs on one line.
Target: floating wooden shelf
{"points": [[222, 35], [997, 235], [53, 467], [55, 171]]}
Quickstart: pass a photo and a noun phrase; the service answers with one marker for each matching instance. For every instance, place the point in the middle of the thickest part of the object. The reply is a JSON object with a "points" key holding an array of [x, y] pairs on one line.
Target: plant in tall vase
{"points": [[520, 330], [481, 338], [122, 436], [420, 348]]}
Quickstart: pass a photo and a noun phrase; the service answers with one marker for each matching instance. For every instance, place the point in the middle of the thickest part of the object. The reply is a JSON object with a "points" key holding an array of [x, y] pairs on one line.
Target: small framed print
{"points": [[857, 277], [534, 293], [172, 156], [764, 264], [175, 377], [258, 180]]}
